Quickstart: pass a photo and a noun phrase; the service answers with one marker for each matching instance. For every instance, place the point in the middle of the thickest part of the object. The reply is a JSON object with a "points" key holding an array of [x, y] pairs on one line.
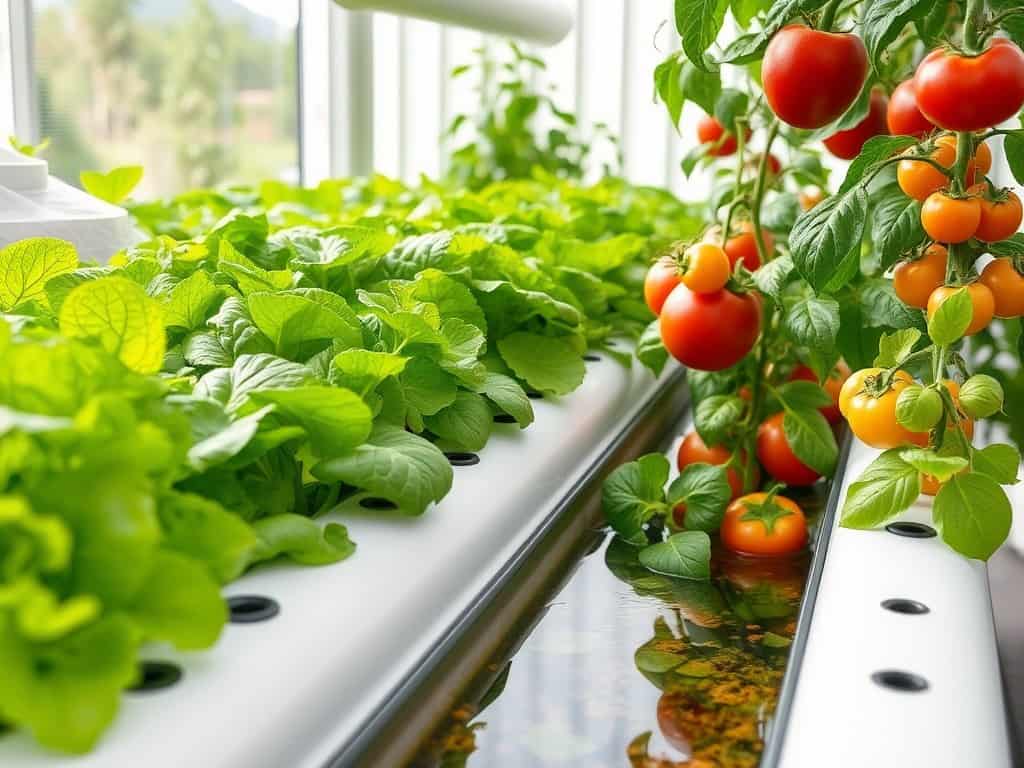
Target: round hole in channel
{"points": [[462, 459], [898, 680], [156, 675], [592, 358], [504, 418], [376, 502], [911, 530], [533, 394], [250, 609], [902, 605]]}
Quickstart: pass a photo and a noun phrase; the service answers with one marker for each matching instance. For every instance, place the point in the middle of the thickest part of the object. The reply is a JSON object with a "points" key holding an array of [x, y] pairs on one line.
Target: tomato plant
{"points": [[982, 308], [915, 279], [706, 268], [1007, 287], [777, 457], [948, 219], [1001, 213], [764, 525]]}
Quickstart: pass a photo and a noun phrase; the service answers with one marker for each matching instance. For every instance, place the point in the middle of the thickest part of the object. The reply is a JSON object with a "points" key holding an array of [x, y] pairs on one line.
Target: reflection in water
{"points": [[631, 668]]}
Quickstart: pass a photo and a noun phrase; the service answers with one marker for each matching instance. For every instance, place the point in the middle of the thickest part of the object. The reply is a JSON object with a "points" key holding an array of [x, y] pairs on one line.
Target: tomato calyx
{"points": [[767, 512]]}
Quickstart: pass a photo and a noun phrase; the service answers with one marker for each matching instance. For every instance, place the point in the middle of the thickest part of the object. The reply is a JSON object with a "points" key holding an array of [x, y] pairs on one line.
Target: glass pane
{"points": [[199, 92]]}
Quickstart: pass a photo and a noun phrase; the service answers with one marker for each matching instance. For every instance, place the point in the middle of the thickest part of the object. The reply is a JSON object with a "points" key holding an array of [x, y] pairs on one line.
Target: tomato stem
{"points": [[972, 26], [755, 208], [741, 147], [828, 17]]}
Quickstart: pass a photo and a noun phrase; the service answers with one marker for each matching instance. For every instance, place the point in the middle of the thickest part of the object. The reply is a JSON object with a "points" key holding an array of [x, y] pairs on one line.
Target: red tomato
{"points": [[903, 117], [774, 165], [777, 457], [710, 131], [970, 93], [694, 451], [661, 278], [811, 77], [743, 247], [710, 331], [833, 384], [847, 144]]}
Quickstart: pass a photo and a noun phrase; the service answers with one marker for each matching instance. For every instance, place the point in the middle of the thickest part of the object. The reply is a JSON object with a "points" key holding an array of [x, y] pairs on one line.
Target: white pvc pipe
{"points": [[545, 22]]}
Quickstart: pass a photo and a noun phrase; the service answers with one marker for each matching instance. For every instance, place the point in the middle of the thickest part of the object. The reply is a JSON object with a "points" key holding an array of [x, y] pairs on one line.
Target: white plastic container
{"points": [[35, 204]]}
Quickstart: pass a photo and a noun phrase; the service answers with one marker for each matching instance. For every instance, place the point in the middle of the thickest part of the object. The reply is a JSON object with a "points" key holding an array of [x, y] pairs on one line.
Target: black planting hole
{"points": [[249, 609], [610, 343], [376, 502], [897, 680], [533, 394], [504, 418], [902, 605], [591, 358], [462, 459], [912, 530], [156, 675]]}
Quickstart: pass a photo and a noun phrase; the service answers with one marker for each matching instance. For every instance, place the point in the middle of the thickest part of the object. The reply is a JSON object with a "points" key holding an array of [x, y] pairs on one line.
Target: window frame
{"points": [[18, 107]]}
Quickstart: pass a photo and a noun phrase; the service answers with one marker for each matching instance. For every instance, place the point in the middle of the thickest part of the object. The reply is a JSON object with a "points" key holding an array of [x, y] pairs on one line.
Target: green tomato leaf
{"points": [[650, 350], [773, 276], [930, 463], [973, 514], [705, 490], [810, 438], [802, 395], [827, 239], [27, 265], [887, 487], [546, 363], [1013, 147], [715, 416], [895, 347], [951, 319], [119, 314], [999, 461], [883, 20], [634, 493], [698, 23], [875, 150], [685, 555], [895, 224], [814, 323]]}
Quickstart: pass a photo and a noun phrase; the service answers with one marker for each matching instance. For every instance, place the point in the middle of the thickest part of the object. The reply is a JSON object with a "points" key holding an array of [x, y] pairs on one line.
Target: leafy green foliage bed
{"points": [[189, 410]]}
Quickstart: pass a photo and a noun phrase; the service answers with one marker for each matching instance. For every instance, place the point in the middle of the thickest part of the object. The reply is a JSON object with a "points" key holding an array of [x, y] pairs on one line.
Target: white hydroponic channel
{"points": [[288, 692], [841, 717]]}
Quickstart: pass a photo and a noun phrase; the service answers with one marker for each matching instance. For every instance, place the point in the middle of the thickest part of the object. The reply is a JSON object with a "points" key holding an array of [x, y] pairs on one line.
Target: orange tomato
{"points": [[873, 418], [752, 528], [707, 268], [1000, 218], [1006, 285], [983, 304], [810, 197], [950, 219], [915, 280]]}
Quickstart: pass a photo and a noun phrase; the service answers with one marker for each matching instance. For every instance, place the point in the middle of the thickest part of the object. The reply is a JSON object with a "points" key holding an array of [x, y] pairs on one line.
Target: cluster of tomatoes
{"points": [[705, 324]]}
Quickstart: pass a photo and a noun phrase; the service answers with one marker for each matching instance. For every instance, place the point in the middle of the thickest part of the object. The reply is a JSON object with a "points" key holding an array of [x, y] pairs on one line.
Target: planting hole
{"points": [[249, 609], [458, 459], [591, 358], [533, 394], [504, 418], [901, 605], [376, 502], [156, 675], [898, 680], [911, 530]]}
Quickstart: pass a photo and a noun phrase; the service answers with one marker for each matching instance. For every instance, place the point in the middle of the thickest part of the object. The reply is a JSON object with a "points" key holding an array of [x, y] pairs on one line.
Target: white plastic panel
{"points": [[840, 718], [289, 692], [35, 205]]}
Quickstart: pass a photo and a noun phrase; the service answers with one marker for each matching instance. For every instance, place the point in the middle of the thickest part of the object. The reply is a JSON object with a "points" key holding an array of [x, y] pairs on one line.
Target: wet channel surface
{"points": [[630, 668]]}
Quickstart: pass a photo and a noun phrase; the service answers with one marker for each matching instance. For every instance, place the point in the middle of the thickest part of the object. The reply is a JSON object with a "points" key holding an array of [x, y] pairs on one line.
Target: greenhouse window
{"points": [[199, 92]]}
